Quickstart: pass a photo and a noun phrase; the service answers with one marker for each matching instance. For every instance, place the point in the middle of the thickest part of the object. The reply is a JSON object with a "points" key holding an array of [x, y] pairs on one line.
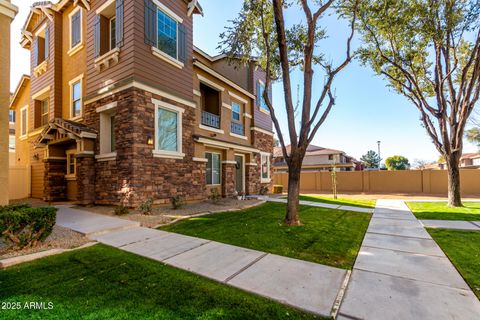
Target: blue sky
{"points": [[366, 110]]}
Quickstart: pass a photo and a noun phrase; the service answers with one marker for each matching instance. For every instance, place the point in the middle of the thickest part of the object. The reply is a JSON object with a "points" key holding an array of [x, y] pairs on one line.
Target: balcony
{"points": [[237, 128], [210, 120]]}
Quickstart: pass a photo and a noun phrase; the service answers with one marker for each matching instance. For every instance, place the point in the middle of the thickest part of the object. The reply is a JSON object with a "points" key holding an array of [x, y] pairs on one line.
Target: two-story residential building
{"points": [[318, 159], [122, 107]]}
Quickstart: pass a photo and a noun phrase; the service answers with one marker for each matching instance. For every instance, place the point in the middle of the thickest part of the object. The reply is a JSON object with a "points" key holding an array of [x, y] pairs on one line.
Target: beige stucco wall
{"points": [[19, 178], [411, 181], [7, 12]]}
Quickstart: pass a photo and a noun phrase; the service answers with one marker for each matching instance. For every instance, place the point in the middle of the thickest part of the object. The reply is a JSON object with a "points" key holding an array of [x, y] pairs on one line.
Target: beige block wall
{"points": [[19, 182], [5, 20], [411, 181]]}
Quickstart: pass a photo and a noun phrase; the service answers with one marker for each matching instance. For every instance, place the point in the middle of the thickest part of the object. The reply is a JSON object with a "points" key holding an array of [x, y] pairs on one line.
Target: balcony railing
{"points": [[210, 120], [238, 128]]}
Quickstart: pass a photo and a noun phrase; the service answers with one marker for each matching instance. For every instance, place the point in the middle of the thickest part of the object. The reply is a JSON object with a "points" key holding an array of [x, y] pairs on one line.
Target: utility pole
{"points": [[378, 143]]}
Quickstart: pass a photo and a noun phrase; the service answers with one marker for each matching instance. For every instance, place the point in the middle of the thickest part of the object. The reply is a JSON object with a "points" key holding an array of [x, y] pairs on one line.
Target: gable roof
{"points": [[22, 84], [312, 150]]}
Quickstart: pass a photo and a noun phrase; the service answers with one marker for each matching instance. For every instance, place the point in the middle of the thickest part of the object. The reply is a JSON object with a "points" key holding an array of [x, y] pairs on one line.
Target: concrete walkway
{"points": [[452, 224], [401, 273], [321, 205], [304, 285]]}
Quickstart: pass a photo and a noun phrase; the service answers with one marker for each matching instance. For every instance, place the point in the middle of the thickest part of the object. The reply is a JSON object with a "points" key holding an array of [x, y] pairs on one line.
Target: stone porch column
{"points": [[85, 179], [7, 13], [228, 179]]}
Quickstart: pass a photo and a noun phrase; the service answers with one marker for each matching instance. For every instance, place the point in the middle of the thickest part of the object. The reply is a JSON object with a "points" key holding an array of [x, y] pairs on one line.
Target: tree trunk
{"points": [[454, 195], [293, 196]]}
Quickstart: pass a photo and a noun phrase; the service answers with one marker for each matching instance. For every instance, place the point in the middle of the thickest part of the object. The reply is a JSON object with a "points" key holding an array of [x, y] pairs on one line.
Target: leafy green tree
{"points": [[260, 30], [397, 163], [428, 51], [371, 160], [473, 134]]}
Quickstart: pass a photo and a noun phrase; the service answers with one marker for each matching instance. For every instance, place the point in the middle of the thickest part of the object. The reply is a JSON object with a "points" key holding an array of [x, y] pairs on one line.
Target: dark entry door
{"points": [[239, 175]]}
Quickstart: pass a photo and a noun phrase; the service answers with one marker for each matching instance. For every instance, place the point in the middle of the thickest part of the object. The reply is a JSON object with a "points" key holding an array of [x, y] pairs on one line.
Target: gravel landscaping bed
{"points": [[61, 238], [162, 215]]}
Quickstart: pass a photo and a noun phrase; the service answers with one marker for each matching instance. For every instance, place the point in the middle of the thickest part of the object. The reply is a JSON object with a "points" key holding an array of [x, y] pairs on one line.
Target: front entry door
{"points": [[239, 174]]}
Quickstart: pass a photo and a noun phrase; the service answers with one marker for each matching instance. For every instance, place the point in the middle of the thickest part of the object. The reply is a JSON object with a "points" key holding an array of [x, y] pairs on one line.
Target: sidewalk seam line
{"points": [[403, 251], [398, 235], [245, 267], [341, 293], [210, 241]]}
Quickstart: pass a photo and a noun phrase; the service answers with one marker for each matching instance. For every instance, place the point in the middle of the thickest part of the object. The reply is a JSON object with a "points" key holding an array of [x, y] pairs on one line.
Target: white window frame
{"points": [[239, 112], [264, 110], [158, 52], [219, 171], [12, 112], [79, 45], [268, 156], [106, 112], [110, 33], [22, 129], [157, 153], [78, 79], [74, 173]]}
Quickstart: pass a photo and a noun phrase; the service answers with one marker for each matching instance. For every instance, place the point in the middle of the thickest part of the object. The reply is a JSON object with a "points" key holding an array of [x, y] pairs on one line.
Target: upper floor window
{"points": [[11, 116], [236, 110], [76, 31], [23, 121], [168, 130], [167, 34], [261, 103], [44, 108], [41, 46], [76, 97], [112, 33]]}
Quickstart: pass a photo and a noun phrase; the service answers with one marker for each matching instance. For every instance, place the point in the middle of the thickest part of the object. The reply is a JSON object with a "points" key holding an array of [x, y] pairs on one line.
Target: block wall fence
{"points": [[409, 181]]}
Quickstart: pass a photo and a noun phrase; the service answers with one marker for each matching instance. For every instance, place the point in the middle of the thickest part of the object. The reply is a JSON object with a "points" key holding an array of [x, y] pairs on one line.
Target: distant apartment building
{"points": [[467, 161], [318, 159]]}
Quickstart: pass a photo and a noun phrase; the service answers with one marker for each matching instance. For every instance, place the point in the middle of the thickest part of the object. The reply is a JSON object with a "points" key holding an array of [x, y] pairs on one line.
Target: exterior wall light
{"points": [[150, 140]]}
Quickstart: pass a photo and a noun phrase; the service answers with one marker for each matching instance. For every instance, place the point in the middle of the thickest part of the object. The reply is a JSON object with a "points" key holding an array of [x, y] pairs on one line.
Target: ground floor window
{"points": [[265, 167], [213, 168], [168, 130], [71, 164]]}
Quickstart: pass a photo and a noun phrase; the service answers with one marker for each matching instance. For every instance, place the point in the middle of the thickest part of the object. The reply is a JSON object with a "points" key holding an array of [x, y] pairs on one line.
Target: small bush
{"points": [[215, 196], [146, 207], [22, 226], [121, 210], [263, 190], [278, 189], [177, 202]]}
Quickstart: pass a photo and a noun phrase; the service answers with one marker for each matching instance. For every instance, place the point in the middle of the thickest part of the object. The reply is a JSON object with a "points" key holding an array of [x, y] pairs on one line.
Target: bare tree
{"points": [[260, 30], [429, 51]]}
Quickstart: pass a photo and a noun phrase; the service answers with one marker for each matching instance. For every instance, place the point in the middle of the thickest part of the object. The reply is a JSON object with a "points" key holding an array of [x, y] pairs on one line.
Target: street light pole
{"points": [[378, 143]]}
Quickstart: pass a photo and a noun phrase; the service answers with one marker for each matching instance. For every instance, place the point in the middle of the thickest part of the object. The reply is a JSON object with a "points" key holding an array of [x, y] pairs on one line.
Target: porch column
{"points": [[85, 179], [55, 184], [228, 178], [7, 13]]}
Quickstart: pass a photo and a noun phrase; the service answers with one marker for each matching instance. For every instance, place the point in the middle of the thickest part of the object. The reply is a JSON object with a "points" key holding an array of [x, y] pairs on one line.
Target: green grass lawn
{"points": [[341, 202], [327, 236], [105, 283], [463, 249], [440, 211]]}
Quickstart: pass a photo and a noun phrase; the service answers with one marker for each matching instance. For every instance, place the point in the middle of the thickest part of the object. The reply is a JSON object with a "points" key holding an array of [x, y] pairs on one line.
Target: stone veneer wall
{"points": [[228, 179], [264, 143], [55, 184], [136, 175], [85, 169]]}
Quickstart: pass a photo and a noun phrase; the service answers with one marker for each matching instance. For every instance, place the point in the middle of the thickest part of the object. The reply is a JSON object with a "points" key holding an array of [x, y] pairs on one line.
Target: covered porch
{"points": [[69, 161]]}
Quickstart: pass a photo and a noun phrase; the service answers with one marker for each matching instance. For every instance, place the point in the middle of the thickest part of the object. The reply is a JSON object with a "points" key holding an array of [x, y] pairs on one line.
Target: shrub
{"points": [[278, 189], [177, 202], [146, 207], [215, 196], [121, 210], [22, 226], [263, 190]]}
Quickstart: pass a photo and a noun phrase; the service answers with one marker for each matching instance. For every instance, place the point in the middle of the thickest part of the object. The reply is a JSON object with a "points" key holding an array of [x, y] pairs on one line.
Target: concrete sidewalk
{"points": [[304, 285], [320, 205], [452, 224], [401, 273]]}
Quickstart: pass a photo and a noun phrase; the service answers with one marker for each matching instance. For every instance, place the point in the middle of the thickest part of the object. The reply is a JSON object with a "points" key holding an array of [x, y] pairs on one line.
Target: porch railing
{"points": [[210, 120], [238, 128]]}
